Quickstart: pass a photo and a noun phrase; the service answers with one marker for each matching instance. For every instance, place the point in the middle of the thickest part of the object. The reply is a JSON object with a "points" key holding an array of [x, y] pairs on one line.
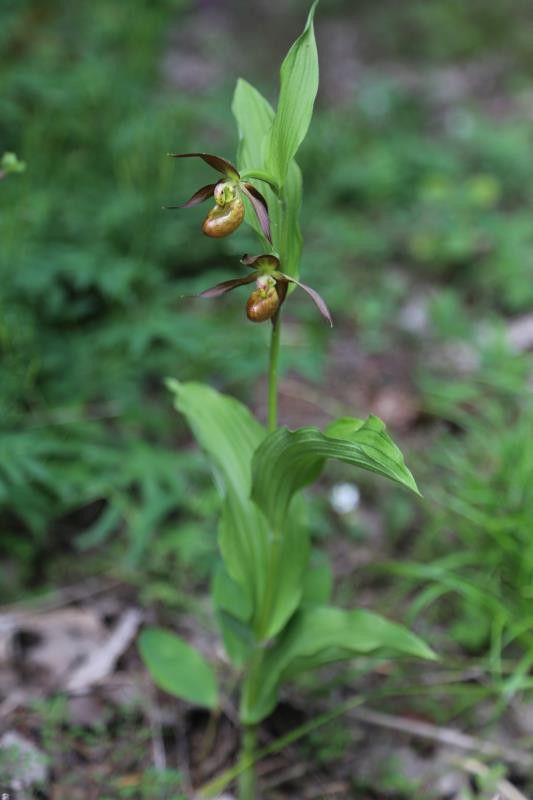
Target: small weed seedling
{"points": [[272, 607]]}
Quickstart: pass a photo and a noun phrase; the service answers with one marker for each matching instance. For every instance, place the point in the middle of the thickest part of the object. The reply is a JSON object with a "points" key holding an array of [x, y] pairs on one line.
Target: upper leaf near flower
{"points": [[298, 89]]}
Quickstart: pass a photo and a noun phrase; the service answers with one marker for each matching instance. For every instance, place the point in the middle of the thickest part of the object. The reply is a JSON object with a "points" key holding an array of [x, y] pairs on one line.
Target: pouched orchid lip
{"points": [[263, 265], [252, 194]]}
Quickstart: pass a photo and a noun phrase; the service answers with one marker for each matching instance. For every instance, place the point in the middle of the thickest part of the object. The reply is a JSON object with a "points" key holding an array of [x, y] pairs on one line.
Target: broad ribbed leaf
{"points": [[233, 611], [229, 434], [318, 581], [298, 88], [254, 116], [224, 428], [323, 635], [177, 667], [243, 536], [228, 595], [290, 240], [285, 572], [288, 460]]}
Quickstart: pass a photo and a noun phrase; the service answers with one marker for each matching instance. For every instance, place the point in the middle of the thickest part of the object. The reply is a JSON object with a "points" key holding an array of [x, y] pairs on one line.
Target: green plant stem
{"points": [[248, 746], [247, 779], [217, 785], [247, 760], [273, 375]]}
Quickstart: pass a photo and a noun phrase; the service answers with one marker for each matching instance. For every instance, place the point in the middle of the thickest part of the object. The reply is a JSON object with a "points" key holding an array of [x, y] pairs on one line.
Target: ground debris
{"points": [[22, 765]]}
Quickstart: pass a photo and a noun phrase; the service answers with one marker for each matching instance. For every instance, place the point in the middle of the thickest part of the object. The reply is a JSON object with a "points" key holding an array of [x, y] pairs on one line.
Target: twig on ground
{"points": [[506, 790], [445, 736], [290, 773], [59, 598], [328, 791], [182, 753], [158, 746], [101, 662]]}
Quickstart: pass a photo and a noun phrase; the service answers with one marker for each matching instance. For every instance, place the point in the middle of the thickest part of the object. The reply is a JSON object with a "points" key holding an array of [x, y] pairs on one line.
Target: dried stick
{"points": [[445, 736]]}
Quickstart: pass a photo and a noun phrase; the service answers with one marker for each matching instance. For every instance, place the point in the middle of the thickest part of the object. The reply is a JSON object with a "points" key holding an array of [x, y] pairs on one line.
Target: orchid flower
{"points": [[228, 212], [271, 289]]}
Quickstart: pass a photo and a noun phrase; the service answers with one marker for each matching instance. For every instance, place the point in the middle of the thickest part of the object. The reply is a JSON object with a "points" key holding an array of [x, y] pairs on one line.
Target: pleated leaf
{"points": [[254, 116], [233, 611], [224, 429], [286, 461], [298, 88], [229, 434], [323, 635]]}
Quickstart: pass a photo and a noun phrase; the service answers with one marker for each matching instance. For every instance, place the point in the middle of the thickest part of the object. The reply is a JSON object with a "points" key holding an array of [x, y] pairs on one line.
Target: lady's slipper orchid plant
{"points": [[271, 603], [228, 212]]}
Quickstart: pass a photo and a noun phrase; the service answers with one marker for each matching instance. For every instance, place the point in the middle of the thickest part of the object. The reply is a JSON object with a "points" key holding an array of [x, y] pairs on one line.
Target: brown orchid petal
{"points": [[198, 197], [260, 207], [266, 259], [227, 286], [281, 288], [315, 296], [218, 163]]}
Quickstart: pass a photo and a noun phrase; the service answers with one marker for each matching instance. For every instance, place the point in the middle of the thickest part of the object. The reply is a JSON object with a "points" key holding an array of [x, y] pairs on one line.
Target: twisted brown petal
{"points": [[227, 286], [281, 288], [258, 261], [260, 207], [314, 295], [218, 163], [198, 197]]}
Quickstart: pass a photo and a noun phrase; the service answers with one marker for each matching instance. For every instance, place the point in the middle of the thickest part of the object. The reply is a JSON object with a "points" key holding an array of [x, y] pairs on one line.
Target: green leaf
{"points": [[9, 163], [318, 581], [177, 667], [224, 428], [323, 635], [254, 116], [228, 595], [290, 239], [233, 611], [284, 573], [287, 460], [298, 88], [243, 538], [229, 434], [238, 638]]}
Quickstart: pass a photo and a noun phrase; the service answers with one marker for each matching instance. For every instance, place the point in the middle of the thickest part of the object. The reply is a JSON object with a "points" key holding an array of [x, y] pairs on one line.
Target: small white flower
{"points": [[344, 497]]}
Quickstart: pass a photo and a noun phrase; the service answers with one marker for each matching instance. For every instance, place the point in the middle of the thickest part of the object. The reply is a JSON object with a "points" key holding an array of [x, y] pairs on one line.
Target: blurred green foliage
{"points": [[93, 273], [475, 560]]}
